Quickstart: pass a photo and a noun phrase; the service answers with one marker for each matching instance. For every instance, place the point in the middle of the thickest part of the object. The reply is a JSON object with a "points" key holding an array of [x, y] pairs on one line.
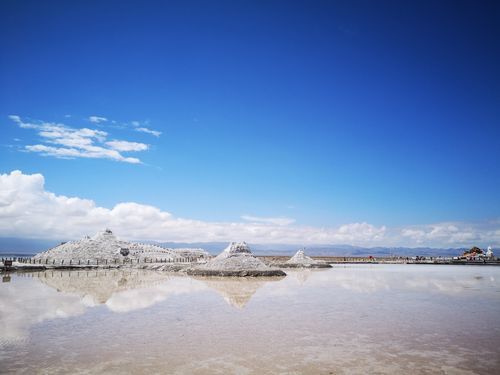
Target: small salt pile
{"points": [[301, 260]]}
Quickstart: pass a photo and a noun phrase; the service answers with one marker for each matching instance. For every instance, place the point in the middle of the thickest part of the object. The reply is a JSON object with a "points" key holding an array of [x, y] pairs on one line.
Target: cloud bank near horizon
{"points": [[27, 210]]}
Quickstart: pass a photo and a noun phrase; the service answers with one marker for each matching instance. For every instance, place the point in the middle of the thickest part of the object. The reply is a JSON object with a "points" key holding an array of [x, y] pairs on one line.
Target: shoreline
{"points": [[275, 261]]}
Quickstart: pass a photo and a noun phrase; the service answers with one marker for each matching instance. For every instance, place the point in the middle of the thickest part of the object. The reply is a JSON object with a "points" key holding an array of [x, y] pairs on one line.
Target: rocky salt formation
{"points": [[105, 246], [235, 260], [301, 260]]}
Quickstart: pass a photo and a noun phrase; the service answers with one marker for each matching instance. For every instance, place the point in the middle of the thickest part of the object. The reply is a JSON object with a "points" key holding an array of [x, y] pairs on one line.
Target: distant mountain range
{"points": [[325, 250], [20, 246]]}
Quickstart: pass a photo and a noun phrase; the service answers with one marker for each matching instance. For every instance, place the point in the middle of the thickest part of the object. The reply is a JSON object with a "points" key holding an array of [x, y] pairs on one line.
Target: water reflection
{"points": [[39, 296], [144, 297], [97, 287], [352, 319], [237, 291], [434, 279]]}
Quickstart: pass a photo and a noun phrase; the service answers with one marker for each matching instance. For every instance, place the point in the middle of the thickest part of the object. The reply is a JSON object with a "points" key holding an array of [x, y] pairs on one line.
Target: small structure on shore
{"points": [[473, 252], [301, 260], [478, 254], [235, 260]]}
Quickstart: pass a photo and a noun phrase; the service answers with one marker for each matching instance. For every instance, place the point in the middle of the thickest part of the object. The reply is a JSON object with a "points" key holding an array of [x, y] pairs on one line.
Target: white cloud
{"points": [[269, 220], [62, 141], [97, 119], [127, 146], [90, 153], [28, 210], [22, 124], [15, 118], [349, 232], [141, 127], [156, 133], [448, 233]]}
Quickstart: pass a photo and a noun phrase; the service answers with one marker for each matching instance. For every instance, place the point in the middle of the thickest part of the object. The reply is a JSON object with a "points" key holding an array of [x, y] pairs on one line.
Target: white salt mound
{"points": [[301, 258], [237, 256], [105, 245], [236, 260]]}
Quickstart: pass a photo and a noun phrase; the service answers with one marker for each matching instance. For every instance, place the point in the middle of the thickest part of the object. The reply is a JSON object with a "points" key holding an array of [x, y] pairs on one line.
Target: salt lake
{"points": [[351, 319]]}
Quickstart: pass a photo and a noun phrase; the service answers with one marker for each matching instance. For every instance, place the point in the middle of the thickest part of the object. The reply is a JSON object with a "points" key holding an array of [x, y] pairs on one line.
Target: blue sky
{"points": [[324, 113]]}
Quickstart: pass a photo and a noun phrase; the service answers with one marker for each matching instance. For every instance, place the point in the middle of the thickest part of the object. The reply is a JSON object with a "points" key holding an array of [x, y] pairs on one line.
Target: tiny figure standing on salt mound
{"points": [[235, 260], [301, 260]]}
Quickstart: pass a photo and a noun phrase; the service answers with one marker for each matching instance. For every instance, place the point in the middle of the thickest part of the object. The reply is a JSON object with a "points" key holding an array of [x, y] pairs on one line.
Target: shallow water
{"points": [[354, 319]]}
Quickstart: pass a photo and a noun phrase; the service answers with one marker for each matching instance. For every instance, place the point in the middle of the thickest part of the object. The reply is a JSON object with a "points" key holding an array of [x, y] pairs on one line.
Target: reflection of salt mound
{"points": [[301, 260], [96, 287], [104, 245], [236, 291], [235, 260], [300, 275]]}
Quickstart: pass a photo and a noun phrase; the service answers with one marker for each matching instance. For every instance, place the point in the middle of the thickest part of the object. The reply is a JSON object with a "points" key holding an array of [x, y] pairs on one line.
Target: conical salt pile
{"points": [[235, 260], [300, 259]]}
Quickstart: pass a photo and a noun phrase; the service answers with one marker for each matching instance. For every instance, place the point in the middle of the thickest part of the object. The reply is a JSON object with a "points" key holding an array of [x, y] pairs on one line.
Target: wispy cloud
{"points": [[97, 119], [141, 127], [15, 118], [62, 141], [269, 220], [156, 133], [127, 146], [138, 126]]}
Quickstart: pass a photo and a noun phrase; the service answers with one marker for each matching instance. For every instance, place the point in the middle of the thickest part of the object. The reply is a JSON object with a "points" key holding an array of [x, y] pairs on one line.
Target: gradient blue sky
{"points": [[328, 113]]}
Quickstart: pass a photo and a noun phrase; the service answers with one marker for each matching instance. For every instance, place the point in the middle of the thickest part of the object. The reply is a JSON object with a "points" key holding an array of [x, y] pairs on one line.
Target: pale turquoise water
{"points": [[362, 319]]}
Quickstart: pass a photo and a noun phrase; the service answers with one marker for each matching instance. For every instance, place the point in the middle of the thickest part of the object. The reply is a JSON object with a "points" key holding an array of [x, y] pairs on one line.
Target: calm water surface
{"points": [[362, 319]]}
